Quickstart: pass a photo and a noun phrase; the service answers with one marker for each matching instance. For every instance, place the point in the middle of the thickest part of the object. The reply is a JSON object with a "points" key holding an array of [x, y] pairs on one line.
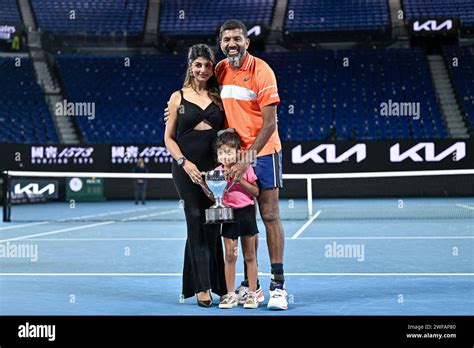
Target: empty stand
{"points": [[464, 9], [9, 12], [129, 101], [179, 17], [318, 93], [341, 15], [94, 17], [462, 77], [24, 115]]}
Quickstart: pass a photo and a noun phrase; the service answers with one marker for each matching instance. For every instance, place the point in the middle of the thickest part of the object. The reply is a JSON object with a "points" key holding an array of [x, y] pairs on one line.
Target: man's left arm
{"points": [[268, 128], [263, 136]]}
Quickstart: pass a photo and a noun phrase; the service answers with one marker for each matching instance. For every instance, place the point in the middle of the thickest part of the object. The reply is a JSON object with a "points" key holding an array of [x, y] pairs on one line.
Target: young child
{"points": [[240, 197]]}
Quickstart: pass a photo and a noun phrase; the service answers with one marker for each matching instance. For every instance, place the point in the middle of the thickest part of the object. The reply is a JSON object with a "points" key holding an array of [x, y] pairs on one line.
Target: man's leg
{"points": [[270, 180], [270, 213]]}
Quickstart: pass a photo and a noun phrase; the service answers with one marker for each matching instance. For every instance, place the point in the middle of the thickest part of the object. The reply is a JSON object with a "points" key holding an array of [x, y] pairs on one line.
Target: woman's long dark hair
{"points": [[204, 51]]}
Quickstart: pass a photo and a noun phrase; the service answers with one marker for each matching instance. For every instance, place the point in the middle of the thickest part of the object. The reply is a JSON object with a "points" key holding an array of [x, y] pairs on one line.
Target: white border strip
{"points": [[24, 225], [58, 231]]}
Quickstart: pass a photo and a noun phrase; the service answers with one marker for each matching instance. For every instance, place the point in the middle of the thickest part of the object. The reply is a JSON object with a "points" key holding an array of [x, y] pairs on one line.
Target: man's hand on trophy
{"points": [[237, 171]]}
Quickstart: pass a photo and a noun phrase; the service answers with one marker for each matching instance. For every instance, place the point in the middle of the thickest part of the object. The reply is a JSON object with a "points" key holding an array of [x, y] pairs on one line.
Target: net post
{"points": [[309, 187], [6, 197]]}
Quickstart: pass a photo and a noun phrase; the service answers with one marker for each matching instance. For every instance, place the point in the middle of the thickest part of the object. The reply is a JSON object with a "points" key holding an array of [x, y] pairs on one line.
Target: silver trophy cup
{"points": [[217, 185]]}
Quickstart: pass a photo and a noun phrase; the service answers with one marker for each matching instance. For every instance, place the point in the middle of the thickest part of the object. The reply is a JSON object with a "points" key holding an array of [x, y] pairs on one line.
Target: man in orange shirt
{"points": [[250, 96]]}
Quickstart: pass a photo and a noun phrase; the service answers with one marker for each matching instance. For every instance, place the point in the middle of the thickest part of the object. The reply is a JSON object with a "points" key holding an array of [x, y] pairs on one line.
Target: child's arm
{"points": [[250, 188]]}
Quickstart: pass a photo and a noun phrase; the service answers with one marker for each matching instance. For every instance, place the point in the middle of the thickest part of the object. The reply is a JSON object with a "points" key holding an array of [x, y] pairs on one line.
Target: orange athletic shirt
{"points": [[244, 92]]}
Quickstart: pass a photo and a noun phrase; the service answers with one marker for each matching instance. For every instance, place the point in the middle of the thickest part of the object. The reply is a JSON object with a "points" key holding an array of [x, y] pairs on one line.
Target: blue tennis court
{"points": [[353, 257]]}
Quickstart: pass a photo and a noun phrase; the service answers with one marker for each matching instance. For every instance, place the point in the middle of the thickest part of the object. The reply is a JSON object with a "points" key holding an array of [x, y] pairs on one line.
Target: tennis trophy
{"points": [[216, 185]]}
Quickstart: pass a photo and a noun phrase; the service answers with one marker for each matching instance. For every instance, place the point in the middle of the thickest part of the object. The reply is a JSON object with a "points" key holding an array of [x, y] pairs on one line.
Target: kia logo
{"points": [[432, 25], [34, 189], [359, 150], [458, 149]]}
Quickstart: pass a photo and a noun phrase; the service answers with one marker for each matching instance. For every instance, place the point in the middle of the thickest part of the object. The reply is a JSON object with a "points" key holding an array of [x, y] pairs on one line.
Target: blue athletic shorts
{"points": [[268, 171]]}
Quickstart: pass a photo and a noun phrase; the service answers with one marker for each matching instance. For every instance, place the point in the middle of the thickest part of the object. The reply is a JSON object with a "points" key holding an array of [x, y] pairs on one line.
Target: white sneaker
{"points": [[243, 291], [228, 301], [278, 300], [252, 300]]}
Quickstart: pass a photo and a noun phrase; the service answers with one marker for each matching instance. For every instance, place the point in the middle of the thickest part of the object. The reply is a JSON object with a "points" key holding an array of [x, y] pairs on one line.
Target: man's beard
{"points": [[235, 60]]}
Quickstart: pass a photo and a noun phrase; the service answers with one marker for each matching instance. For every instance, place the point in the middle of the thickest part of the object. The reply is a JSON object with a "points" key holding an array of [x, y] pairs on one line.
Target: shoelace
{"points": [[277, 293], [251, 299], [226, 299]]}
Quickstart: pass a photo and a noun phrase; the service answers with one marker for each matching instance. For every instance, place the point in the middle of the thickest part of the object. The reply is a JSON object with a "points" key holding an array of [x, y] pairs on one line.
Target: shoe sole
{"points": [[275, 308], [227, 307], [250, 307]]}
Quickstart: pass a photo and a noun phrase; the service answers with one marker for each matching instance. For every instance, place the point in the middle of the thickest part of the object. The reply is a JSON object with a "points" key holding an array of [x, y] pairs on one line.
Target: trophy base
{"points": [[220, 215]]}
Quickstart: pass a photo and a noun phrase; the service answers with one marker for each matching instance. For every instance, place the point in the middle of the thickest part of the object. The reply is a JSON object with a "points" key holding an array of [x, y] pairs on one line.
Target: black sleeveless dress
{"points": [[203, 257]]}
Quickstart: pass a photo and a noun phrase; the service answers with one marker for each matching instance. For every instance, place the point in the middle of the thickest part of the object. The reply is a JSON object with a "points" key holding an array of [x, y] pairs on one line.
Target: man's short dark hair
{"points": [[232, 24]]}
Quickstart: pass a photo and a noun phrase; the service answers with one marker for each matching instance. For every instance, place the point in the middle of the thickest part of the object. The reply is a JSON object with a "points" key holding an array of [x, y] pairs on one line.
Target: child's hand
{"points": [[243, 181]]}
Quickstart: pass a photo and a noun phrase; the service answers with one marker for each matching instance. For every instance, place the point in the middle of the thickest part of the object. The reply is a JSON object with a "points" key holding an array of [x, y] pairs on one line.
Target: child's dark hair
{"points": [[228, 137]]}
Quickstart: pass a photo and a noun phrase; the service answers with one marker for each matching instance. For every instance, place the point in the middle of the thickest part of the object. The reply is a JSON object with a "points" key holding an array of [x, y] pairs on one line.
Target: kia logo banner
{"points": [[425, 152], [35, 188], [434, 26], [349, 156], [326, 153], [298, 157]]}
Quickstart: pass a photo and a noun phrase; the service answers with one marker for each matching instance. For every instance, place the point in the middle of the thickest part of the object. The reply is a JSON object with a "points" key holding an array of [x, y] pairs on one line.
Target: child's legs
{"points": [[231, 248], [250, 257]]}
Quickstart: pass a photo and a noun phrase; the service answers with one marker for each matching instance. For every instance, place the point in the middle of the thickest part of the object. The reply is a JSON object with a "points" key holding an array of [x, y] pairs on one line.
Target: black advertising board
{"points": [[377, 156], [298, 157]]}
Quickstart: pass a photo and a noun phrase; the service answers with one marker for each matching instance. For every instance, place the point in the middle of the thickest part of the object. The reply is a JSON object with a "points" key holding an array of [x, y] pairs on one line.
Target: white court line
{"points": [[152, 214], [184, 238], [72, 229], [305, 226], [105, 214], [24, 225], [465, 206], [103, 239], [238, 274], [58, 231]]}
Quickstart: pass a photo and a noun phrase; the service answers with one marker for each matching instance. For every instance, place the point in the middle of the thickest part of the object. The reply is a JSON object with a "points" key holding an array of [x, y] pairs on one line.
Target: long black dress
{"points": [[203, 257]]}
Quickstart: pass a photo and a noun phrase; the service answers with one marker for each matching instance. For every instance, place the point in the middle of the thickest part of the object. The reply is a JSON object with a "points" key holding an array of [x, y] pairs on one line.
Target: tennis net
{"points": [[89, 196]]}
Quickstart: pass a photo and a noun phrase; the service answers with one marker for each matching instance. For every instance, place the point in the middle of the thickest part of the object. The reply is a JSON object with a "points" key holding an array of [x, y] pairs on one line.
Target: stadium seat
{"points": [[178, 17], [462, 77], [24, 115], [9, 13], [341, 15], [96, 17]]}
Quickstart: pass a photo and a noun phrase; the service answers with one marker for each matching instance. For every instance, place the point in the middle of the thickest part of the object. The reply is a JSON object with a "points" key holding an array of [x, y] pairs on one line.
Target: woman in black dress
{"points": [[196, 115]]}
